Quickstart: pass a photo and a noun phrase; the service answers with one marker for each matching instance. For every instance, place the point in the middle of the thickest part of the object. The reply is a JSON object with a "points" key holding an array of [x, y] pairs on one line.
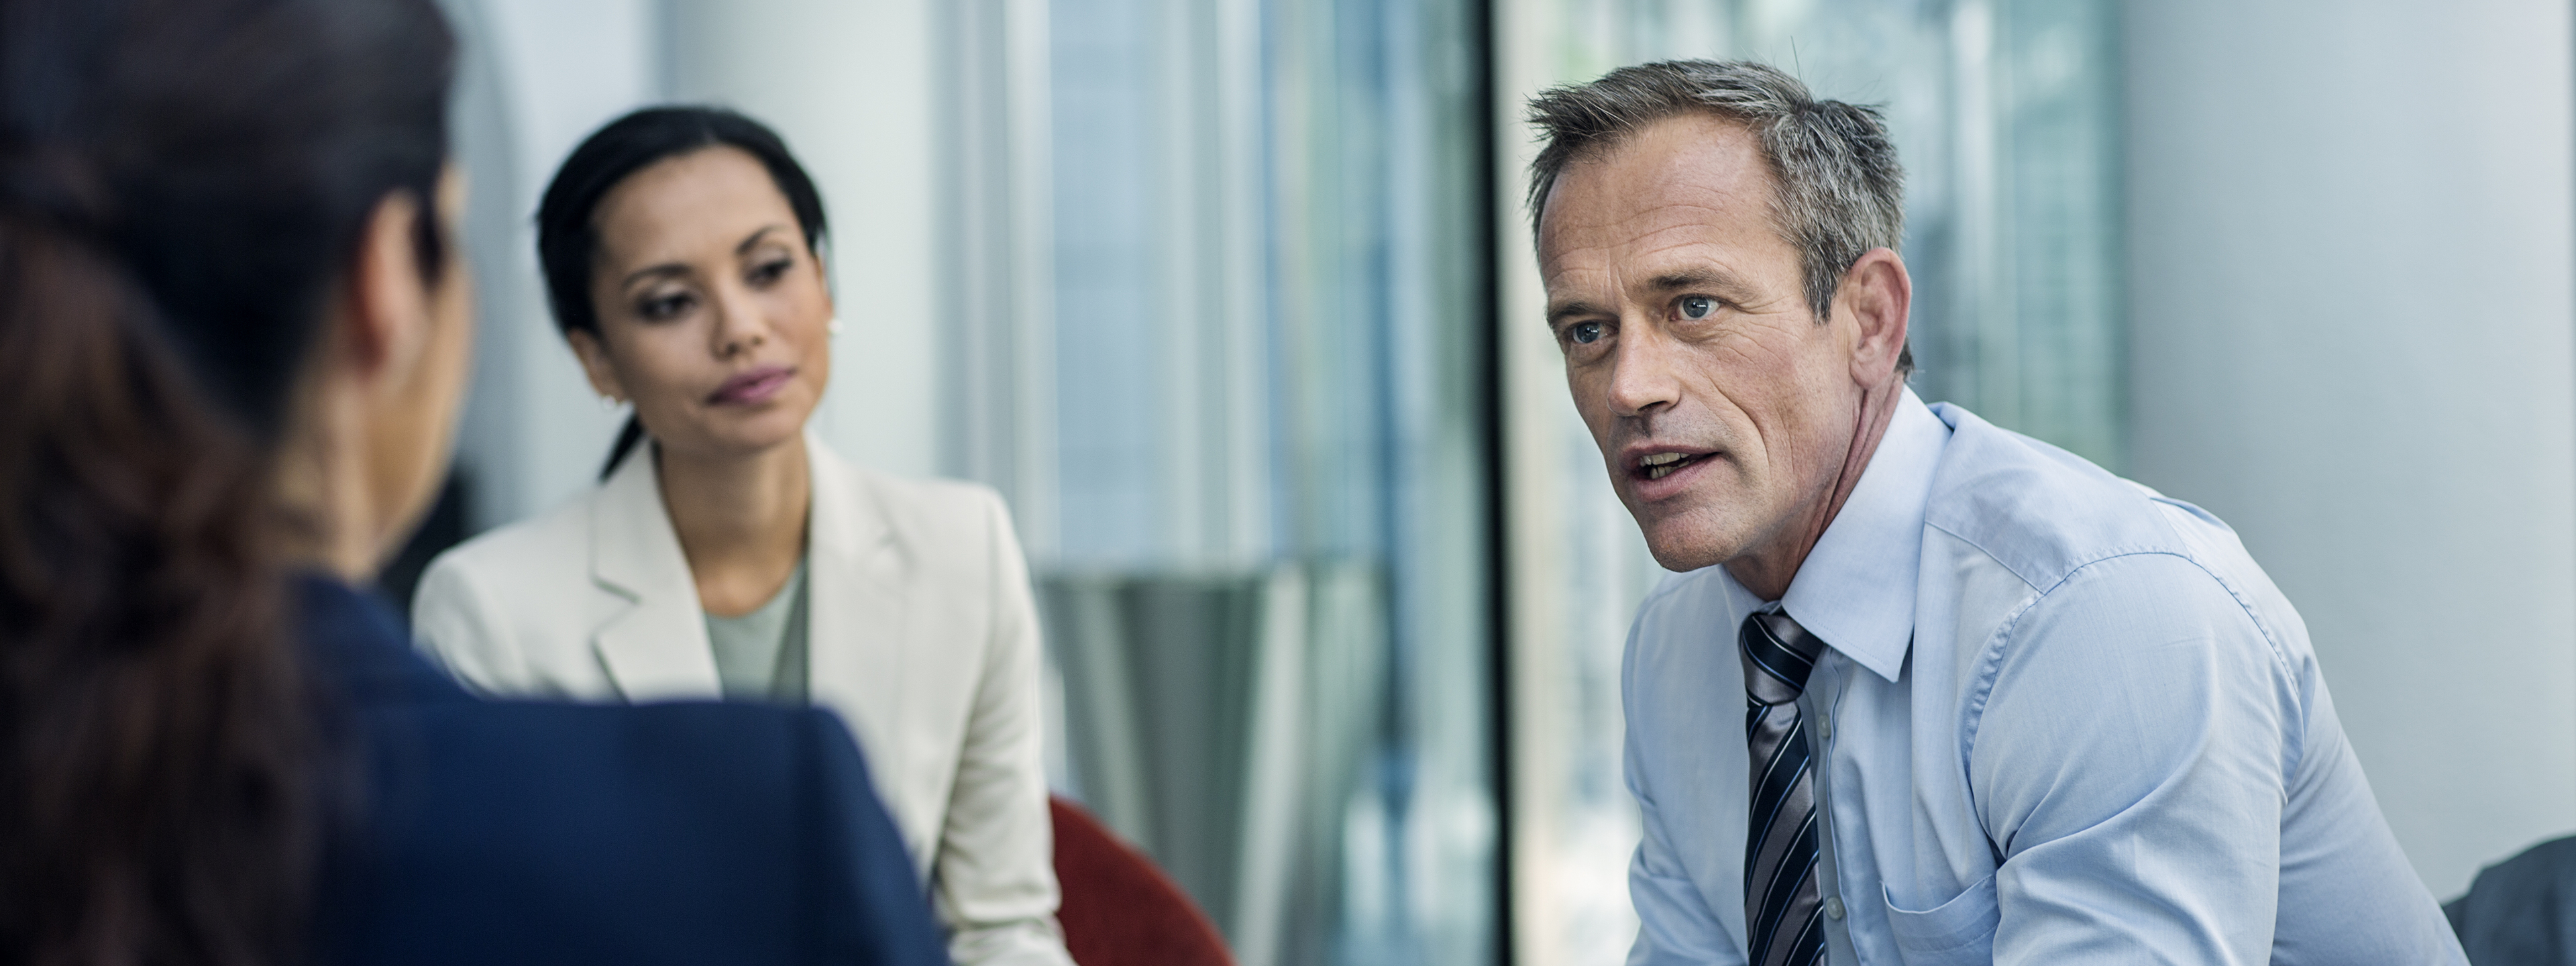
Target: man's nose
{"points": [[1642, 375]]}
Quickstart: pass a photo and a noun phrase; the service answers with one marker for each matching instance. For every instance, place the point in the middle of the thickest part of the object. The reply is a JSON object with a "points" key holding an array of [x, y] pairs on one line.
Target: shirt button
{"points": [[1825, 726], [1834, 908]]}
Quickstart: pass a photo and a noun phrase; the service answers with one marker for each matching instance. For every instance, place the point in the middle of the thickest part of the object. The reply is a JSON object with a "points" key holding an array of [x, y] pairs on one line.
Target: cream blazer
{"points": [[920, 633]]}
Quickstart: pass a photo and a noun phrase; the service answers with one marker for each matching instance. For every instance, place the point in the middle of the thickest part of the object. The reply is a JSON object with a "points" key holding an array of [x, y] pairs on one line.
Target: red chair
{"points": [[1119, 909]]}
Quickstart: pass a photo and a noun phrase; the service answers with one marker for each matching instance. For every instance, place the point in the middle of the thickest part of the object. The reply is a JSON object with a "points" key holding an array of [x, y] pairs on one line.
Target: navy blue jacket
{"points": [[527, 832]]}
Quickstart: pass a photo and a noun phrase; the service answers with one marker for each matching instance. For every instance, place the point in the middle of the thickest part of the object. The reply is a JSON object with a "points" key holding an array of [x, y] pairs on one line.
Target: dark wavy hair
{"points": [[182, 184], [568, 216]]}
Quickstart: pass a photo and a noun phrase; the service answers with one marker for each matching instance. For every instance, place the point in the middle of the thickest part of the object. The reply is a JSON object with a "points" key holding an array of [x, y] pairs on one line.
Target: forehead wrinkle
{"points": [[1673, 268], [1658, 232], [1655, 171], [1606, 241], [1691, 203], [1643, 223], [1579, 295], [1640, 202], [1628, 273]]}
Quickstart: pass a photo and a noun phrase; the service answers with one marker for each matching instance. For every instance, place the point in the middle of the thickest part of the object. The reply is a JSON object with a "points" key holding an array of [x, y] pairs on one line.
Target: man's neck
{"points": [[1768, 570]]}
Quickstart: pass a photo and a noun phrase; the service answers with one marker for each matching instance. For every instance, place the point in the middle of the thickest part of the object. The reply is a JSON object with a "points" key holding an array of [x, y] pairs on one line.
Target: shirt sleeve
{"points": [[2129, 765], [995, 886]]}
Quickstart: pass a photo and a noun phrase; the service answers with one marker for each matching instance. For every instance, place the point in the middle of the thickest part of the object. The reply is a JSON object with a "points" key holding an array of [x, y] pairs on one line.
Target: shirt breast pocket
{"points": [[1959, 931]]}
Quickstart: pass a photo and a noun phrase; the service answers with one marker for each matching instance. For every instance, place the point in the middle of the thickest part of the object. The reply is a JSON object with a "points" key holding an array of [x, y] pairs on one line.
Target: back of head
{"points": [[181, 185]]}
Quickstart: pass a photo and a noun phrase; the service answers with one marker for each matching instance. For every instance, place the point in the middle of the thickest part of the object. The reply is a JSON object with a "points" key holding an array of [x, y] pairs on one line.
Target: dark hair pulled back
{"points": [[568, 216], [182, 183]]}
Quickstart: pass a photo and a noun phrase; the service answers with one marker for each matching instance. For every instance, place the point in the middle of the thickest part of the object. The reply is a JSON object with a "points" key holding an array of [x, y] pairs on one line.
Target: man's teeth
{"points": [[1661, 465]]}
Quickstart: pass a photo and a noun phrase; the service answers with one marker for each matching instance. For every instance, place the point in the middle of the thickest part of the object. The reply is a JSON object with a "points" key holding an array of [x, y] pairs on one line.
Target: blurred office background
{"points": [[1232, 300]]}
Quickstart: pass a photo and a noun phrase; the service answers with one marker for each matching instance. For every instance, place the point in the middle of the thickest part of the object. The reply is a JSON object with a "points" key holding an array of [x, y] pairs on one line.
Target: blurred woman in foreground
{"points": [[233, 332]]}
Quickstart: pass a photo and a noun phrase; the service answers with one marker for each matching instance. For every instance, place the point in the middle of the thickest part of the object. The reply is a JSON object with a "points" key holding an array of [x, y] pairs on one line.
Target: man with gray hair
{"points": [[2000, 705]]}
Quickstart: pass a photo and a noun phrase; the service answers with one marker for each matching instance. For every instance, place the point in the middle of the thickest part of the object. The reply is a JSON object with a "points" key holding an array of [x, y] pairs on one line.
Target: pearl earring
{"points": [[834, 326]]}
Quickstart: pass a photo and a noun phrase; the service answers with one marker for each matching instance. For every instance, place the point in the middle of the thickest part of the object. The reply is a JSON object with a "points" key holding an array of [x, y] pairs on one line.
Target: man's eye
{"points": [[1584, 333], [1697, 306]]}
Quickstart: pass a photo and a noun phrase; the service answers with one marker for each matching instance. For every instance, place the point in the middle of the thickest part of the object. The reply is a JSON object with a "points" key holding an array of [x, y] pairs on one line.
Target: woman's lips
{"points": [[752, 387]]}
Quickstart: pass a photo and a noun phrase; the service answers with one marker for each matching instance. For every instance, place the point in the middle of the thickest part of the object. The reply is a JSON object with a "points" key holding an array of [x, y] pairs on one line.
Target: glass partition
{"points": [[1220, 293]]}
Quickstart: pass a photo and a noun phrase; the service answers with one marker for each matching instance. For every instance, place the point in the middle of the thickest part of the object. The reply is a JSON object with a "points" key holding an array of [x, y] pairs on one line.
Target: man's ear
{"points": [[594, 364], [1878, 296], [385, 314]]}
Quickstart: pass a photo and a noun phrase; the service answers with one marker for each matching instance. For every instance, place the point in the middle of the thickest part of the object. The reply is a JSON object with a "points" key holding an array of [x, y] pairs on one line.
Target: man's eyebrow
{"points": [[1567, 310], [1713, 281], [1703, 279]]}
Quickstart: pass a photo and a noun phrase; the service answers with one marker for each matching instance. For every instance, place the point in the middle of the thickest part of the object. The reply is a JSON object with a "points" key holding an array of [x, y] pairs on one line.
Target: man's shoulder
{"points": [[2043, 513], [2078, 540]]}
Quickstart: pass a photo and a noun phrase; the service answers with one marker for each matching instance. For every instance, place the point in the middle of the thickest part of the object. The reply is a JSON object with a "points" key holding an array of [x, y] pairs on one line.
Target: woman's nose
{"points": [[739, 325]]}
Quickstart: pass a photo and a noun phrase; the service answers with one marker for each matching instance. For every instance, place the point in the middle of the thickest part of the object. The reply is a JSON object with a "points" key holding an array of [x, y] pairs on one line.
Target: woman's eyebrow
{"points": [[677, 268], [663, 270], [754, 239]]}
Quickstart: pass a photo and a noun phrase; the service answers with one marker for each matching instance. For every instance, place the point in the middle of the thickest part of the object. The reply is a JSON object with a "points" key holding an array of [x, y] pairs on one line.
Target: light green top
{"points": [[760, 656]]}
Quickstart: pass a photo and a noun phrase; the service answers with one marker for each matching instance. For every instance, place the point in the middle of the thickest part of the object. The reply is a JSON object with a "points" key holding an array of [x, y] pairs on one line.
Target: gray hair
{"points": [[1839, 191]]}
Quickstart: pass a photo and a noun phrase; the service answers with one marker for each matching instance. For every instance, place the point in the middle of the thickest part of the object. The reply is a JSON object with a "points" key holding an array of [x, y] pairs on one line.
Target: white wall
{"points": [[849, 85], [536, 79], [2350, 306]]}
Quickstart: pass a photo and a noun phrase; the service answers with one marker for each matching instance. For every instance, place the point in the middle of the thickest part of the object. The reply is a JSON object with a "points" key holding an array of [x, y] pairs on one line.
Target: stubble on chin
{"points": [[1685, 534]]}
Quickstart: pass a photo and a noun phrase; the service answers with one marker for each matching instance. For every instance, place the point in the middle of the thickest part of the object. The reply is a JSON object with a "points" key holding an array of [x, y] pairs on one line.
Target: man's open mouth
{"points": [[1661, 465]]}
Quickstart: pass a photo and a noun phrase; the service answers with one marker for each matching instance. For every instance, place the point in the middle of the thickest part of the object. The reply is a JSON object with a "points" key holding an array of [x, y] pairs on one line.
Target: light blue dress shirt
{"points": [[2060, 719]]}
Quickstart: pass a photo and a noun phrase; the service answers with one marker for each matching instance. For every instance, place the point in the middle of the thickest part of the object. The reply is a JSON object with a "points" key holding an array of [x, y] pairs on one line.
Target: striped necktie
{"points": [[1782, 921]]}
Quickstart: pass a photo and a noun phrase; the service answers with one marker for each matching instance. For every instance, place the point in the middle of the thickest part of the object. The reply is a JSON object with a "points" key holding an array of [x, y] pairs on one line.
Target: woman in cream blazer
{"points": [[670, 244], [920, 634]]}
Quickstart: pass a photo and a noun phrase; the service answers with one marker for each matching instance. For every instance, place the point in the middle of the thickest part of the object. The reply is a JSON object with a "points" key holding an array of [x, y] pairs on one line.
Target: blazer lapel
{"points": [[856, 613], [657, 649]]}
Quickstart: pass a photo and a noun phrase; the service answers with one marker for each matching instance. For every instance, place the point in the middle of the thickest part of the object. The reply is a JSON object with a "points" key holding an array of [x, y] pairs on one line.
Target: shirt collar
{"points": [[1856, 588]]}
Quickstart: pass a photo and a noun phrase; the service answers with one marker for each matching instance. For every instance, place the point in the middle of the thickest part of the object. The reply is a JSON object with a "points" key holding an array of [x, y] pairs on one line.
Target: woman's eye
{"points": [[662, 307], [1584, 333], [1697, 306], [767, 272]]}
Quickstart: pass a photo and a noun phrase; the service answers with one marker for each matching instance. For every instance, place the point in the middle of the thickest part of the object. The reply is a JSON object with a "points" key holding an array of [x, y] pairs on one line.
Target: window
{"points": [[1223, 283]]}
